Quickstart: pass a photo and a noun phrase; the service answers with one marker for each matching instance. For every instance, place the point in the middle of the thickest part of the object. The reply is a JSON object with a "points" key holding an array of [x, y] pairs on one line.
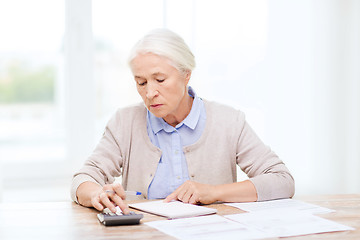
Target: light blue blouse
{"points": [[172, 168]]}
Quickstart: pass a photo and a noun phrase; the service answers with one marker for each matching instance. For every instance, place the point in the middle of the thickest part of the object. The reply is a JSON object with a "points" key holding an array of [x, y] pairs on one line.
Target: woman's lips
{"points": [[155, 105]]}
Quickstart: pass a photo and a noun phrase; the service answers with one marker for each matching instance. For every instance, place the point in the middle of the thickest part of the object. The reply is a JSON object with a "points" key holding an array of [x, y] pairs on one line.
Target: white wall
{"points": [[307, 87], [313, 105], [293, 67]]}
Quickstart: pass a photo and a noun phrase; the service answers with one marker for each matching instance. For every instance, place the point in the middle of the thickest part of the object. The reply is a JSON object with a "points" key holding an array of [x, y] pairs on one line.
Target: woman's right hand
{"points": [[90, 194], [110, 196]]}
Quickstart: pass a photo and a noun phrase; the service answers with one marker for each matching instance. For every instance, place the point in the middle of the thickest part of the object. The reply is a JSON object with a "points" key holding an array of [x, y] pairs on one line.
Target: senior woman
{"points": [[178, 146]]}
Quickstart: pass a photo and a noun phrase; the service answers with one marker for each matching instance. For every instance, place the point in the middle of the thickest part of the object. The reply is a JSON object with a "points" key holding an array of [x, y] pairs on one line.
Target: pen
{"points": [[132, 193]]}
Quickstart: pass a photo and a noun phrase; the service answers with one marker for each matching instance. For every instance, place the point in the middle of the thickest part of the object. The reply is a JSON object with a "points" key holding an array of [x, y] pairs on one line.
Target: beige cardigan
{"points": [[125, 149]]}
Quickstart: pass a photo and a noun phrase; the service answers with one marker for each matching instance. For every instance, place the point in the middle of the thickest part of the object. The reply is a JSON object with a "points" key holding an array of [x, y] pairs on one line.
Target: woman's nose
{"points": [[151, 91]]}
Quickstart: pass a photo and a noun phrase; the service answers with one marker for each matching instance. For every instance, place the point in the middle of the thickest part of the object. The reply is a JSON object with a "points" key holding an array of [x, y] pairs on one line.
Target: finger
{"points": [[122, 205], [116, 199], [104, 199], [194, 199], [96, 203], [186, 196], [107, 187], [181, 195], [179, 192], [119, 190], [109, 192], [172, 196]]}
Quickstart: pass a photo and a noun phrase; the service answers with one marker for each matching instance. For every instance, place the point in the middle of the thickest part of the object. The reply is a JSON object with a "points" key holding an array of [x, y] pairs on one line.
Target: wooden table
{"points": [[66, 220]]}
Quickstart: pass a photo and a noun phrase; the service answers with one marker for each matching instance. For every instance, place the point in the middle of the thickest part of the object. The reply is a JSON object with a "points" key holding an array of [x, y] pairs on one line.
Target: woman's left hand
{"points": [[194, 192]]}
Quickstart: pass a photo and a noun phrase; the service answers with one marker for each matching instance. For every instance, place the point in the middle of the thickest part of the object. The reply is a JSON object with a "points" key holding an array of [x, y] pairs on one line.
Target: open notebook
{"points": [[173, 209]]}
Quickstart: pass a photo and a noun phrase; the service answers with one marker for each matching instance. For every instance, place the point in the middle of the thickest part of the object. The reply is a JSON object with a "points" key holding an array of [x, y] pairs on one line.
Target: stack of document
{"points": [[279, 218], [282, 205]]}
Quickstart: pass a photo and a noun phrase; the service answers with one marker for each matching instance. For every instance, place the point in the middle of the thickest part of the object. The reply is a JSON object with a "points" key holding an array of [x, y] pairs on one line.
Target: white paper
{"points": [[282, 204], [206, 227], [287, 223], [175, 209]]}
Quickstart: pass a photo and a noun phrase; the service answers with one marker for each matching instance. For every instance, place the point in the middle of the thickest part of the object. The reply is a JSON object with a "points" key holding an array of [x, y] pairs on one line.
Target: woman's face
{"points": [[161, 86]]}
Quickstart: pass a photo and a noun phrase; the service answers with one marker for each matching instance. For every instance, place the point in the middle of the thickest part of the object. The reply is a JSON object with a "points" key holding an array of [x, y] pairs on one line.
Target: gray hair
{"points": [[165, 43]]}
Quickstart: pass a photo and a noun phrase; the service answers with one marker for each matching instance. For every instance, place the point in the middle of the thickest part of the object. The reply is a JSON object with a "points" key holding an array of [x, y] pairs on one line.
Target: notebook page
{"points": [[175, 209]]}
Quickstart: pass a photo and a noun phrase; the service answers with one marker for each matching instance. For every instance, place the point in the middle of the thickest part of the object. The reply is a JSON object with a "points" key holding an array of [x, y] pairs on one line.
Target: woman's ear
{"points": [[187, 74]]}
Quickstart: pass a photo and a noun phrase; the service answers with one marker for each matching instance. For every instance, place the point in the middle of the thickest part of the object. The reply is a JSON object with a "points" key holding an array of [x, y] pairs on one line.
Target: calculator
{"points": [[109, 218]]}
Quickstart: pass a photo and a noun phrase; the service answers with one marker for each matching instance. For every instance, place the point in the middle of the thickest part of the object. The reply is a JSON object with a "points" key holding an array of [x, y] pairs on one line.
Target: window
{"points": [[117, 25], [31, 93], [31, 121], [64, 73]]}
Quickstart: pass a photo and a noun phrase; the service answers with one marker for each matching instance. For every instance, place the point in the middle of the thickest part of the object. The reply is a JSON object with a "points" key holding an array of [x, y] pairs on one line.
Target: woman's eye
{"points": [[160, 80], [141, 83]]}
